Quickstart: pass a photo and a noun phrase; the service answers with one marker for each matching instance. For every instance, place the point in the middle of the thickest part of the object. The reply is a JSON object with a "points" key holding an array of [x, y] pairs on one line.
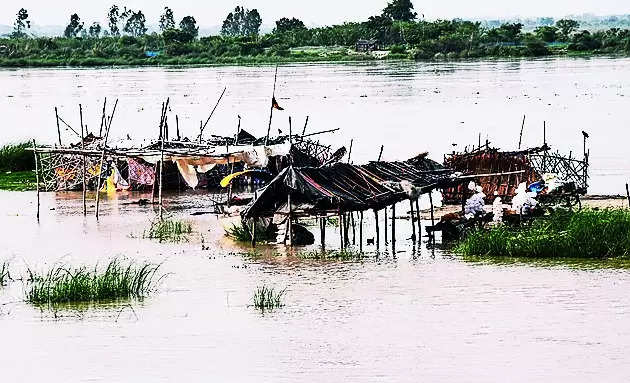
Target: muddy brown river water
{"points": [[421, 314]]}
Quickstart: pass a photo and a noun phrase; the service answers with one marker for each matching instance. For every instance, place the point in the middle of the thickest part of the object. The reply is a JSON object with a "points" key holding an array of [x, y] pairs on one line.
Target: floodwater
{"points": [[420, 314], [407, 107]]}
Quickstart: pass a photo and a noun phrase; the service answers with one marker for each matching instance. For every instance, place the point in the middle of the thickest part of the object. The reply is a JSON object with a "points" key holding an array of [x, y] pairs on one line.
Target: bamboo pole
{"points": [[162, 134], [350, 151], [419, 221], [58, 128], [385, 228], [253, 232], [431, 202], [100, 130], [520, 137], [353, 228], [341, 229], [290, 221], [203, 126], [394, 229], [273, 95], [100, 169], [322, 227], [381, 153], [345, 229], [361, 232], [378, 239], [83, 148], [628, 194], [37, 177], [305, 124], [413, 223]]}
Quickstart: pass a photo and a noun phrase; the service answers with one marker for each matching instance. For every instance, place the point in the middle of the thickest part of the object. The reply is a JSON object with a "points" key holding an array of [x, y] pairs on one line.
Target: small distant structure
{"points": [[367, 45]]}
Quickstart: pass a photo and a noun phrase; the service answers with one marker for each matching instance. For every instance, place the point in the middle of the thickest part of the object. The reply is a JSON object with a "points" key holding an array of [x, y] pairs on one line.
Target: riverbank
{"points": [[298, 58]]}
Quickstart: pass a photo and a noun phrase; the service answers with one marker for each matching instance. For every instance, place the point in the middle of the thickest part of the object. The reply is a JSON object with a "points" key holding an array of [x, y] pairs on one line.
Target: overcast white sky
{"points": [[313, 12]]}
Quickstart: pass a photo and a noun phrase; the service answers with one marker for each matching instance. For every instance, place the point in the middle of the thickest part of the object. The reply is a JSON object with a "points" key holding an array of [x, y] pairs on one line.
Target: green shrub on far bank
{"points": [[16, 157], [585, 233], [168, 230]]}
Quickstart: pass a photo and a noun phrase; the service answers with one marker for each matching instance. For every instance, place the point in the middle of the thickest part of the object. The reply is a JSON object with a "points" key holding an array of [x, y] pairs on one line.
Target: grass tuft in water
{"points": [[242, 233], [81, 285], [585, 233], [345, 254], [169, 230], [5, 275], [268, 298]]}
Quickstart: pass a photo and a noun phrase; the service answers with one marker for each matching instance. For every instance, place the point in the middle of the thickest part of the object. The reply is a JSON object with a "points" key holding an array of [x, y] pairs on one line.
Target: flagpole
{"points": [[273, 96]]}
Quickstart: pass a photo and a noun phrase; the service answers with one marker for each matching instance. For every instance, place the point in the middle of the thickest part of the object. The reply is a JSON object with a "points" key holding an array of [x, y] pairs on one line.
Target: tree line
{"points": [[398, 28]]}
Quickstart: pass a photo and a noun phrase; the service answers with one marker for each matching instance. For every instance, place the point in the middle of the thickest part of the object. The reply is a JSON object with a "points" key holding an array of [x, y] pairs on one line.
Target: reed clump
{"points": [[169, 230], [242, 232], [62, 284], [268, 298], [587, 233], [344, 254]]}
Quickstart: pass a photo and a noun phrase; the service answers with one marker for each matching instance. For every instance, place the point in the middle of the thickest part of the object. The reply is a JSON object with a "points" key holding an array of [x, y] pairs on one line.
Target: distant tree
{"points": [[21, 23], [167, 20], [95, 30], [135, 25], [188, 25], [242, 22], [113, 16], [545, 21], [400, 10], [511, 31], [567, 26], [547, 34], [74, 27], [380, 28], [288, 25]]}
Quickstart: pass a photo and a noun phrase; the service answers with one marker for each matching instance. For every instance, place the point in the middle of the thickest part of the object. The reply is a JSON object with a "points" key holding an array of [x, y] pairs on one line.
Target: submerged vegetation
{"points": [[564, 234], [65, 285], [268, 298], [343, 255], [168, 230], [242, 233], [16, 167], [397, 32]]}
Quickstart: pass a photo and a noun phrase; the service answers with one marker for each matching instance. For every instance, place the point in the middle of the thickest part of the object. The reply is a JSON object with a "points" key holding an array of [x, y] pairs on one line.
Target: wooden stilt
{"points": [[353, 229], [290, 220], [413, 219], [378, 239], [394, 229], [103, 121], [628, 194], [341, 230], [162, 134], [322, 226], [273, 96], [100, 169], [37, 176], [345, 230], [58, 128], [431, 202], [361, 232], [418, 220], [385, 228], [253, 232], [83, 149]]}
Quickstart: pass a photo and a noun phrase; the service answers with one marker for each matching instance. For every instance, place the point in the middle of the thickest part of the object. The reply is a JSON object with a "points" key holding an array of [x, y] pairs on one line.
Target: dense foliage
{"points": [[396, 30], [576, 234]]}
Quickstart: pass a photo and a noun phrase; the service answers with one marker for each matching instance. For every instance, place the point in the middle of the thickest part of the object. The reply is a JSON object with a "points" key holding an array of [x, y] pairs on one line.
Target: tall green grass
{"points": [[76, 285], [342, 255], [242, 233], [16, 157], [169, 230], [268, 298], [586, 233]]}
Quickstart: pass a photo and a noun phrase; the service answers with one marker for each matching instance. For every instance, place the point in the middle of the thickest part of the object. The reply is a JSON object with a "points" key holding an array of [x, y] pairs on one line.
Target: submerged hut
{"points": [[502, 171]]}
